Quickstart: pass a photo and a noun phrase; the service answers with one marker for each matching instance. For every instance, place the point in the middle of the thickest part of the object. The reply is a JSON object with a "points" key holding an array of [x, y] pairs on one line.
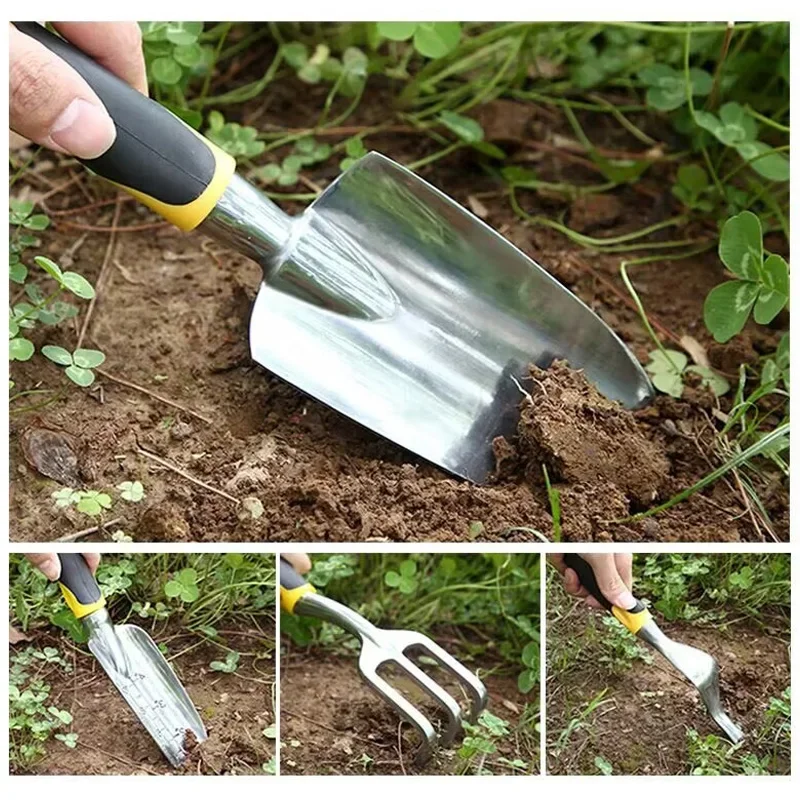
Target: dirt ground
{"points": [[172, 316], [640, 725], [235, 707], [333, 724]]}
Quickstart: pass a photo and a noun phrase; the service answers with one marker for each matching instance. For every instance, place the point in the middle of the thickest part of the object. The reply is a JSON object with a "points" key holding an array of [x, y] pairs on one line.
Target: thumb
{"points": [[51, 104], [612, 586], [47, 563]]}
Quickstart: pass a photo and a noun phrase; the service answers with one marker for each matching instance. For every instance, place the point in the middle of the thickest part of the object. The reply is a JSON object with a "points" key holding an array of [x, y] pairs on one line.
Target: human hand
{"points": [[300, 561], [50, 565], [51, 104], [614, 574]]}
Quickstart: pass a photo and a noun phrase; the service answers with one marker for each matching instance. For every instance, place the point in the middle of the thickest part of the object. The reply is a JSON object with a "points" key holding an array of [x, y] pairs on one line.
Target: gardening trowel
{"points": [[699, 668], [385, 299], [134, 663], [381, 648]]}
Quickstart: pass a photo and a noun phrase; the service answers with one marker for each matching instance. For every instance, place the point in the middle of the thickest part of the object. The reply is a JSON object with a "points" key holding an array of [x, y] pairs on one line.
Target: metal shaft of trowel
{"points": [[250, 223]]}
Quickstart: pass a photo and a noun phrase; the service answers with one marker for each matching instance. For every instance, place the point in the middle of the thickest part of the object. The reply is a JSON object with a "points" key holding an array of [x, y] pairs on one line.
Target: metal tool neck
{"points": [[316, 605], [103, 636], [250, 223]]}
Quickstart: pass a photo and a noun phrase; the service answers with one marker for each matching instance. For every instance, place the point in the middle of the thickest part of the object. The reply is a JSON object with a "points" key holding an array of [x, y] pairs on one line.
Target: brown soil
{"points": [[172, 316], [236, 708], [641, 726], [332, 724]]}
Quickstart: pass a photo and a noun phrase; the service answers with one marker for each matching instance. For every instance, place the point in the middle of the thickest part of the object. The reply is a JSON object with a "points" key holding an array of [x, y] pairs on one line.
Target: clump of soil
{"points": [[640, 726], [585, 439], [333, 724], [235, 708]]}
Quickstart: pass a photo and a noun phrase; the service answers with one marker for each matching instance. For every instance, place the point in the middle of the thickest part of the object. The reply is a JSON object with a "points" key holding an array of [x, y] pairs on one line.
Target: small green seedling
{"points": [[132, 491], [45, 309], [93, 503], [183, 586], [431, 39], [666, 86], [69, 739], [229, 665], [405, 580], [776, 369], [240, 141], [348, 74], [736, 128], [529, 677], [78, 364], [481, 738], [470, 132], [762, 284], [354, 147], [603, 766], [668, 369], [89, 502], [306, 151], [692, 187], [743, 579]]}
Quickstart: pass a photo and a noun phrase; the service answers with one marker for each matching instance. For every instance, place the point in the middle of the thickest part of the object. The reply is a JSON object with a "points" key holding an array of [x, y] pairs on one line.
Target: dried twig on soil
{"points": [[152, 394], [72, 537], [184, 474], [147, 226], [101, 277]]}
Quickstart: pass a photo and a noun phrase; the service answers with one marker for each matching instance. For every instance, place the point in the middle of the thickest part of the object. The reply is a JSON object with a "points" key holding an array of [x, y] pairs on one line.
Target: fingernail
{"points": [[83, 129], [625, 600]]}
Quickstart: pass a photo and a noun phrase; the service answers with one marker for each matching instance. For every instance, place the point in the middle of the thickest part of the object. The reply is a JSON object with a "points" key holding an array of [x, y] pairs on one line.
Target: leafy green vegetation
{"points": [[485, 605]]}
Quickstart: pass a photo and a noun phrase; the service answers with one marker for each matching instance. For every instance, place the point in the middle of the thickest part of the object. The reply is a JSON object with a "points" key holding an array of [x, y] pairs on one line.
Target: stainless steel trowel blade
{"points": [[395, 306], [149, 686]]}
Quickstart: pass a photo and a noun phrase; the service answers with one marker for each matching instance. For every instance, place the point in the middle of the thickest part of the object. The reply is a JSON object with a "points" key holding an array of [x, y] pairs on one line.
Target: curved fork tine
{"points": [[407, 711], [475, 688], [442, 697]]}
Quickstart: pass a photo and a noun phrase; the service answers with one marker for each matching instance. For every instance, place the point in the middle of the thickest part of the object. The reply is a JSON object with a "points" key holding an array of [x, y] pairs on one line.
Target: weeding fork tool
{"points": [[381, 647]]}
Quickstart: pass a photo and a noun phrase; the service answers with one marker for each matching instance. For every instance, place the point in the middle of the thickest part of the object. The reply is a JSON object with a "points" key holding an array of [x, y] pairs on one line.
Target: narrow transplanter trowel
{"points": [[134, 664], [698, 667], [385, 300]]}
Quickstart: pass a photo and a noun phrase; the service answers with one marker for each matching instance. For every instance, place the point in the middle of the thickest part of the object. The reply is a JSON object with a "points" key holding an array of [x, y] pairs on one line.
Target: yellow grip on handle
{"points": [[633, 620], [81, 610], [289, 597], [188, 216]]}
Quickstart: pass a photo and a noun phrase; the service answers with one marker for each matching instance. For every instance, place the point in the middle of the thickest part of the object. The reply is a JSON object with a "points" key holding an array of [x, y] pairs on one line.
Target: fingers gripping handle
{"points": [[78, 585], [156, 157], [293, 586], [632, 618]]}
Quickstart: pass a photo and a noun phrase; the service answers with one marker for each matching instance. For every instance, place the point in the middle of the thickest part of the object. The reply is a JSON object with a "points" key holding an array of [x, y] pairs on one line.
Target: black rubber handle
{"points": [[587, 578], [290, 578], [155, 156], [78, 585]]}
